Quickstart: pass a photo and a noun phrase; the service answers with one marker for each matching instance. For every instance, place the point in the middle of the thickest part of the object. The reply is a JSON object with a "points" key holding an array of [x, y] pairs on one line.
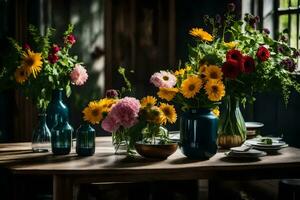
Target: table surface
{"points": [[18, 158]]}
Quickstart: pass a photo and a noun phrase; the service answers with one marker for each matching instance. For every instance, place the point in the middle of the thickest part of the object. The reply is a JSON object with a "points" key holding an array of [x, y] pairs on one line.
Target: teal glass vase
{"points": [[41, 136], [61, 138], [198, 134], [57, 110], [85, 140]]}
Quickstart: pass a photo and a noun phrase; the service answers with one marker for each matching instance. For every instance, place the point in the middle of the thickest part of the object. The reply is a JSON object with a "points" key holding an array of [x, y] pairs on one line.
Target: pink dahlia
{"points": [[163, 79], [124, 113], [78, 75]]}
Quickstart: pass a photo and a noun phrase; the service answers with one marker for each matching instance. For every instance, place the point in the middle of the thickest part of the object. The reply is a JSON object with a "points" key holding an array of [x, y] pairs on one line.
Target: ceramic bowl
{"points": [[157, 151]]}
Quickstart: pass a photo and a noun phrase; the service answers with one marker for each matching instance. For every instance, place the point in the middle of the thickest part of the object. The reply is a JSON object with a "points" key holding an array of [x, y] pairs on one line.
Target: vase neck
{"points": [[57, 95]]}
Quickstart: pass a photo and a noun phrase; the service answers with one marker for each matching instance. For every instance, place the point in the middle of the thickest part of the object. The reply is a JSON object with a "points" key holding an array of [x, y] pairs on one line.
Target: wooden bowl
{"points": [[157, 151]]}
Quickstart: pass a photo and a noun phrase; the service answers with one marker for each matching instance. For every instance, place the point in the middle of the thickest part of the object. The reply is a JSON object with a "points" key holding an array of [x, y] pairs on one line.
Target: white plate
{"points": [[258, 143], [253, 125], [252, 153]]}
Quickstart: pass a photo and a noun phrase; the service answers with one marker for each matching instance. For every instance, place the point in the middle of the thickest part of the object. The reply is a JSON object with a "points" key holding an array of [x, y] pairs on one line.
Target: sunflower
{"points": [[213, 72], [230, 45], [32, 62], [215, 90], [106, 104], [191, 86], [148, 101], [167, 93], [93, 112], [201, 34], [169, 113], [21, 75]]}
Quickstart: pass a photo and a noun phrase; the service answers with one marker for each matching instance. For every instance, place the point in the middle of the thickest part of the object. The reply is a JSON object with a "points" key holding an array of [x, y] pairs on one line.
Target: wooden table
{"points": [[69, 171]]}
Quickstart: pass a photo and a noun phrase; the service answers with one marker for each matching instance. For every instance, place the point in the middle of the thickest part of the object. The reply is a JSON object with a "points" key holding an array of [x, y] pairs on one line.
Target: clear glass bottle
{"points": [[61, 138], [85, 140], [41, 137]]}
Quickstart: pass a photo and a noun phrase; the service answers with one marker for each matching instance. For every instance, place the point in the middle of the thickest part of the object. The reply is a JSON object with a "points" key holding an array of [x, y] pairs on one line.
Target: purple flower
{"points": [[280, 49], [296, 53], [231, 7], [55, 49], [53, 58], [288, 64], [163, 79], [26, 46], [112, 94]]}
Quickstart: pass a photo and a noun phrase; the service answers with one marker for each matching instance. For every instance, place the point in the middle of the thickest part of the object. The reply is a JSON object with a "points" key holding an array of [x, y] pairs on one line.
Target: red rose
{"points": [[55, 49], [53, 58], [234, 54], [70, 39], [263, 53], [231, 69], [249, 64]]}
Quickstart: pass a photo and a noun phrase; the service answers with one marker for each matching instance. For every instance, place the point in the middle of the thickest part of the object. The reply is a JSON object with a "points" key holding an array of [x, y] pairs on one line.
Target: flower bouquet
{"points": [[46, 66], [251, 62]]}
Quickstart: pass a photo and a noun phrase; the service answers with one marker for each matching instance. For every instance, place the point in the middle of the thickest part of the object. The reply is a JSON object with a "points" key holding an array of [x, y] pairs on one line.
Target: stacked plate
{"points": [[257, 143], [248, 153]]}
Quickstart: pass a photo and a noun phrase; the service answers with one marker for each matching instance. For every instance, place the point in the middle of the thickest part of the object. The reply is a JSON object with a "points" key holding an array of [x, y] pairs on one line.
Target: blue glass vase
{"points": [[85, 140], [57, 110], [198, 134], [61, 138], [41, 136]]}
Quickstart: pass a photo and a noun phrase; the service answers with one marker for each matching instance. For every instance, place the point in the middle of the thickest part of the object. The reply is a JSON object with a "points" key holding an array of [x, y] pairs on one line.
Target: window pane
{"points": [[283, 3], [293, 36], [283, 22], [294, 3]]}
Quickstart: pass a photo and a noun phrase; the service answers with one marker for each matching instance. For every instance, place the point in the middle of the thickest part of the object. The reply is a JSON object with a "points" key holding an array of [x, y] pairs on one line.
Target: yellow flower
{"points": [[148, 101], [93, 112], [179, 72], [230, 45], [21, 75], [106, 104], [191, 86], [32, 62], [215, 90], [201, 34], [216, 112], [155, 115], [167, 93], [213, 72], [188, 68], [169, 113], [202, 70]]}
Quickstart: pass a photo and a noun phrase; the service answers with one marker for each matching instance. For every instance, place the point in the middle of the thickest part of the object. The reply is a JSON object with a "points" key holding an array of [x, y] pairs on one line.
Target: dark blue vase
{"points": [[57, 110], [61, 138], [198, 134], [85, 140]]}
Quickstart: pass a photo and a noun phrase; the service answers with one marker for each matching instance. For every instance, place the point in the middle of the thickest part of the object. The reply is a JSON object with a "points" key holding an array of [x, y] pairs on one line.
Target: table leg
{"points": [[64, 188]]}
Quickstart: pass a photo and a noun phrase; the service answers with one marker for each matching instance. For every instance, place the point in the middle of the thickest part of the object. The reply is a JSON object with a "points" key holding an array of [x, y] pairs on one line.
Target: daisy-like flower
{"points": [[163, 79], [93, 112], [32, 62], [201, 34], [148, 101], [78, 75], [155, 115], [213, 72], [21, 75], [215, 90], [169, 113], [167, 93], [191, 86], [230, 45], [106, 104]]}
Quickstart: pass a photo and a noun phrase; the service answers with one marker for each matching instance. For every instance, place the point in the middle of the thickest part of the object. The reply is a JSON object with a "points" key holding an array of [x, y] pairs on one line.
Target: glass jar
{"points": [[85, 140], [232, 130], [61, 138], [41, 137]]}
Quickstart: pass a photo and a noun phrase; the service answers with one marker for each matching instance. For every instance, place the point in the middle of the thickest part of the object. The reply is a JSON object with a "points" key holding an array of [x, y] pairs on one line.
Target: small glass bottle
{"points": [[61, 138], [85, 140], [41, 137]]}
